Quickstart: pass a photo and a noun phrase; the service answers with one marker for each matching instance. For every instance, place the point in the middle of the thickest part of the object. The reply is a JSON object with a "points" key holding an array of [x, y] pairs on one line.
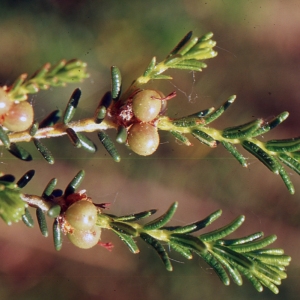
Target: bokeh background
{"points": [[259, 61]]}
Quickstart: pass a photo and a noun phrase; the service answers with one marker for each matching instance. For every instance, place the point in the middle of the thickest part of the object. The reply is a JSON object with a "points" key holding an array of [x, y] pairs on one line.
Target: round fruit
{"points": [[143, 138], [146, 105], [82, 215], [85, 239], [5, 102], [19, 117]]}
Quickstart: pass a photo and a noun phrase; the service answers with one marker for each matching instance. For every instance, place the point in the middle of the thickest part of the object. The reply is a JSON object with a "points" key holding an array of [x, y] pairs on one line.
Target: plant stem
{"points": [[59, 129]]}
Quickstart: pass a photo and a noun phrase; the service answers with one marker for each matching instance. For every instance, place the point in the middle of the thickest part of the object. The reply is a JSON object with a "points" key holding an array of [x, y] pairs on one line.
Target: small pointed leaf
{"points": [[182, 43], [269, 161], [109, 146], [27, 219], [159, 249], [163, 219], [116, 83], [42, 221], [45, 152], [74, 184], [51, 119], [49, 188], [128, 240], [25, 179], [150, 67], [19, 152], [71, 106], [57, 235]]}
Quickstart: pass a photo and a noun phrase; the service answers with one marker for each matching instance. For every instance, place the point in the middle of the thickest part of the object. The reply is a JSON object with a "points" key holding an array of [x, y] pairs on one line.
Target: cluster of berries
{"points": [[140, 115], [83, 231]]}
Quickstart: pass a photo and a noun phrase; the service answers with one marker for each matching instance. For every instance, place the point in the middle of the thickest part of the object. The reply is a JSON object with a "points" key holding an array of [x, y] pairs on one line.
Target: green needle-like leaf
{"points": [[159, 249], [109, 146], [57, 235], [249, 238], [51, 119], [233, 272], [217, 113], [101, 110], [86, 143], [185, 252], [123, 228], [162, 220], [254, 245], [27, 218], [47, 155], [49, 188], [42, 221], [231, 149], [150, 67], [71, 106], [224, 231], [19, 152], [135, 217], [286, 179], [181, 138], [197, 225], [54, 211], [290, 161], [204, 138], [25, 179], [217, 267], [184, 44], [116, 82], [242, 131], [269, 161], [74, 184], [128, 240], [287, 145], [121, 135]]}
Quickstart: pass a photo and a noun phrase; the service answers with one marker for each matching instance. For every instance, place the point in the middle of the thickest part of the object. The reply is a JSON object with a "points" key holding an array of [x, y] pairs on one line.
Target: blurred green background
{"points": [[258, 60]]}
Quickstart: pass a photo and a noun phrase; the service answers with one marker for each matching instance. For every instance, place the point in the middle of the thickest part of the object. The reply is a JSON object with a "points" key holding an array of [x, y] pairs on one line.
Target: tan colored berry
{"points": [[82, 215], [19, 117], [143, 138], [146, 105], [85, 239]]}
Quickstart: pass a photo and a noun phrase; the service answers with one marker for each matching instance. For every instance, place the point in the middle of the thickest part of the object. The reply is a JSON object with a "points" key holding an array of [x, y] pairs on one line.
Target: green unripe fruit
{"points": [[146, 105], [143, 139], [85, 239], [82, 215]]}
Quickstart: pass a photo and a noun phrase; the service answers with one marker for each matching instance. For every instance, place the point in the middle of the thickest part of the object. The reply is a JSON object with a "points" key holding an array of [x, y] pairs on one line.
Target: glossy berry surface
{"points": [[19, 117], [85, 239], [146, 105], [82, 215], [5, 102], [143, 138]]}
